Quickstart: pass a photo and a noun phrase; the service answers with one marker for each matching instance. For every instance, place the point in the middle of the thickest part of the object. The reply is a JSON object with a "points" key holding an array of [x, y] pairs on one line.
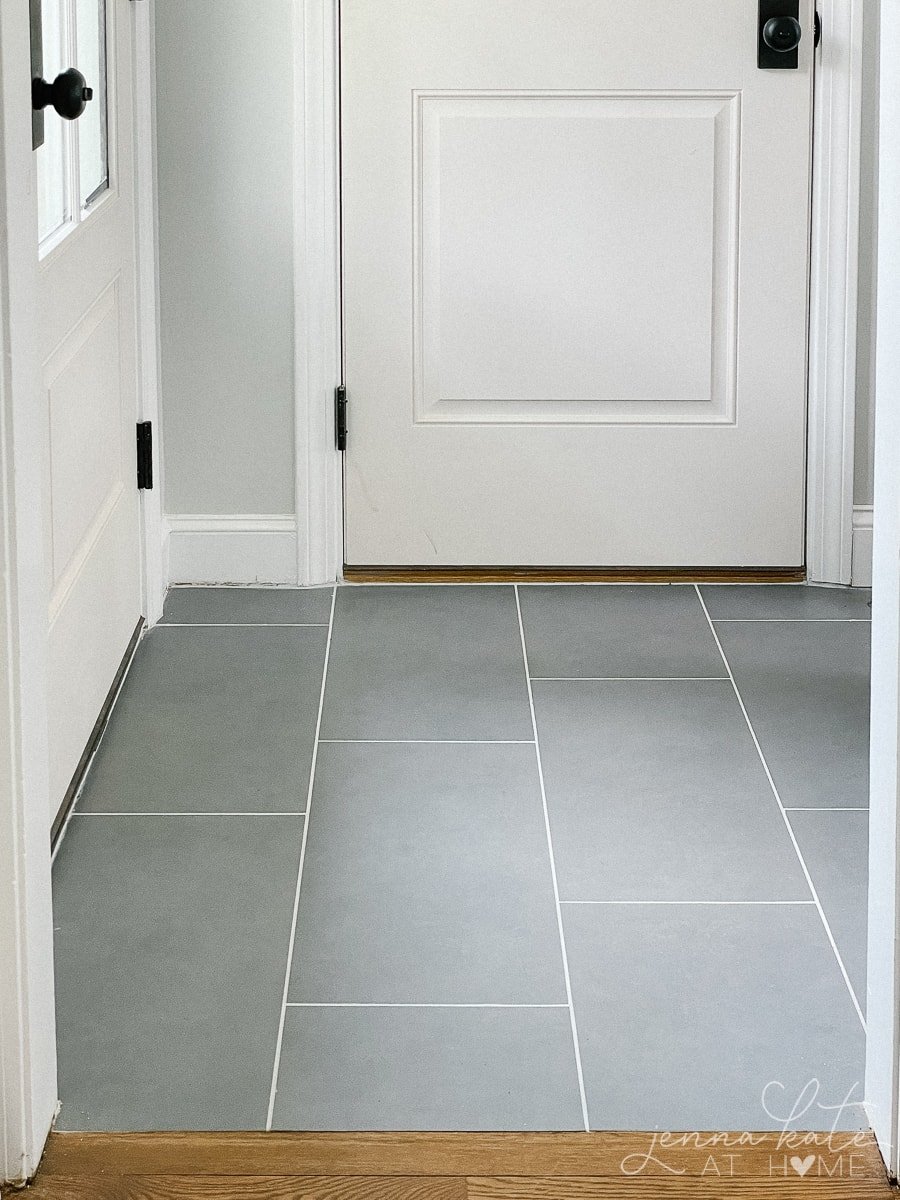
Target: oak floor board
{"points": [[457, 1166]]}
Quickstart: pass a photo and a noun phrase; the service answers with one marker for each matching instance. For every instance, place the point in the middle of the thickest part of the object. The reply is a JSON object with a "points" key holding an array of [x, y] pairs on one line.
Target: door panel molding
{"points": [[461, 375]]}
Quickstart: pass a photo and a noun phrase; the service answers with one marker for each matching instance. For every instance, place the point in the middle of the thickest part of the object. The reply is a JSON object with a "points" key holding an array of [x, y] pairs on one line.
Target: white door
{"points": [[575, 240], [87, 332]]}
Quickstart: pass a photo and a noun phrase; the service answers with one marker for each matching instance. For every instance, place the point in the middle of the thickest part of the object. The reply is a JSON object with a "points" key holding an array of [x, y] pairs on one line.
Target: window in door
{"points": [[73, 162]]}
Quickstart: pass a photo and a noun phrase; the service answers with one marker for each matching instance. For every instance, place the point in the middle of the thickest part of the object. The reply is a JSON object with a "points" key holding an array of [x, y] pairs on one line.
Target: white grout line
{"points": [[629, 679], [792, 620], [559, 920], [424, 742], [664, 903], [241, 625], [290, 954], [189, 814], [785, 818], [379, 1004], [796, 808]]}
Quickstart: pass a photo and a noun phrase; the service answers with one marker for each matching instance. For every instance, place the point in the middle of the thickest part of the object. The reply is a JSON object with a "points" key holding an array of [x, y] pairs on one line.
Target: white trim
{"points": [[208, 549], [147, 296], [833, 293], [317, 304], [883, 1055], [553, 877], [861, 572], [27, 1019], [787, 823]]}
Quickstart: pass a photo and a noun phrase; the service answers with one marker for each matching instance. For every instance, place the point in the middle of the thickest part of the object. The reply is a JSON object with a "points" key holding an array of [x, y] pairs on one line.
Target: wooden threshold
{"points": [[456, 1166], [574, 574]]}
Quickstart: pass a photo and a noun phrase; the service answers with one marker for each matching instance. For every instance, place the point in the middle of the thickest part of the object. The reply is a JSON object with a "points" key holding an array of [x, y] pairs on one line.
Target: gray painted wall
{"points": [[224, 112], [865, 360], [225, 165]]}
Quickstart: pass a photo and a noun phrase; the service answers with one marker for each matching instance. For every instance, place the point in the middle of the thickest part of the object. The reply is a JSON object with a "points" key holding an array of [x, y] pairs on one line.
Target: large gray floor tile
{"points": [[212, 720], [266, 606], [171, 946], [806, 688], [791, 601], [427, 1069], [686, 1013], [426, 662], [617, 631], [656, 792], [427, 879], [835, 847]]}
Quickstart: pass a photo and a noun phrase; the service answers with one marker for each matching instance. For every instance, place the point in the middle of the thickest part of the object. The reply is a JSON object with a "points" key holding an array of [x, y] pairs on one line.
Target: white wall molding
{"points": [[317, 306], [833, 293], [861, 575], [27, 1019], [232, 549]]}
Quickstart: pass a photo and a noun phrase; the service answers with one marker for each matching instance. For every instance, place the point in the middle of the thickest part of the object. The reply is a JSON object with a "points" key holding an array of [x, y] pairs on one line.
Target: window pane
{"points": [[53, 205], [90, 18]]}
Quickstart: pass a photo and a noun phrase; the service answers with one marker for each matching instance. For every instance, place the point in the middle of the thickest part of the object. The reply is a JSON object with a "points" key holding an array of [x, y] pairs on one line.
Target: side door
{"points": [[88, 350], [576, 244]]}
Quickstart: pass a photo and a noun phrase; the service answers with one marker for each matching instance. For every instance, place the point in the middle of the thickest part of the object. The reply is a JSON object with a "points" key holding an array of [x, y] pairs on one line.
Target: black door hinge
{"points": [[145, 454], [340, 417], [818, 24]]}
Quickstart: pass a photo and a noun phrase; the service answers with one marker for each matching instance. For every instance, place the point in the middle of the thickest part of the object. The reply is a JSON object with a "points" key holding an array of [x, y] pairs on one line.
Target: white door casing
{"points": [[27, 1026], [575, 285], [89, 353]]}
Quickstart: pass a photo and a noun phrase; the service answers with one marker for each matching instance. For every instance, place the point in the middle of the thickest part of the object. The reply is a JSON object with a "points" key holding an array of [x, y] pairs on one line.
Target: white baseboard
{"points": [[231, 549], [861, 571]]}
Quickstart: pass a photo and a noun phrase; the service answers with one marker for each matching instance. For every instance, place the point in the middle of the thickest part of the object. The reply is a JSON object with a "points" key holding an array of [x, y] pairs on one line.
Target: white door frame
{"points": [[833, 291], [154, 573], [27, 1028], [883, 1008], [27, 1035], [834, 287]]}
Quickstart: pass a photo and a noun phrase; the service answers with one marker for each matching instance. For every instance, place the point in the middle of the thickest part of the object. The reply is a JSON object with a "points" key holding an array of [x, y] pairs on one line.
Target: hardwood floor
{"points": [[409, 1166]]}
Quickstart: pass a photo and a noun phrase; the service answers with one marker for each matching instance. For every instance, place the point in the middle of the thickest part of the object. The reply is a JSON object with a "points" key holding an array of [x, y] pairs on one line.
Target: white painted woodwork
{"points": [[88, 350], [883, 978], [576, 253], [28, 1093]]}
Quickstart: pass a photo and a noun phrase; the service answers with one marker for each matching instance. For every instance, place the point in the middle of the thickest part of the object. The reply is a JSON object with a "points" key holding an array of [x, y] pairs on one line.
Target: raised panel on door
{"points": [[514, 321], [575, 259]]}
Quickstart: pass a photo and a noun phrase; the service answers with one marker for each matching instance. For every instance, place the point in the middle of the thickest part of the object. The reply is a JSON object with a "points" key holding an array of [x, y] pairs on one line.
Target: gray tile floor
{"points": [[473, 858]]}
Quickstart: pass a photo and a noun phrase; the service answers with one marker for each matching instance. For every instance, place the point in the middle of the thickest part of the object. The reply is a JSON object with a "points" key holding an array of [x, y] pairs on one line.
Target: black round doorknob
{"points": [[68, 94], [782, 34]]}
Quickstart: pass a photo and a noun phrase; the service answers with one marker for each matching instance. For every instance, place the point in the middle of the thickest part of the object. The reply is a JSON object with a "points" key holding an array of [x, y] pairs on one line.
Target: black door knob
{"points": [[782, 34], [68, 94]]}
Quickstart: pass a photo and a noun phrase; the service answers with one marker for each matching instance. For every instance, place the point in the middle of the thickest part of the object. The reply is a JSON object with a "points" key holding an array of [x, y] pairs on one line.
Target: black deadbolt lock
{"points": [[68, 94], [779, 35]]}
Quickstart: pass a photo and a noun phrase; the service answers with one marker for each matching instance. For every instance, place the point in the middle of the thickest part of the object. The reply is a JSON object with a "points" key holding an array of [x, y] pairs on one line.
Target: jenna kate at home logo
{"points": [[788, 1150]]}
